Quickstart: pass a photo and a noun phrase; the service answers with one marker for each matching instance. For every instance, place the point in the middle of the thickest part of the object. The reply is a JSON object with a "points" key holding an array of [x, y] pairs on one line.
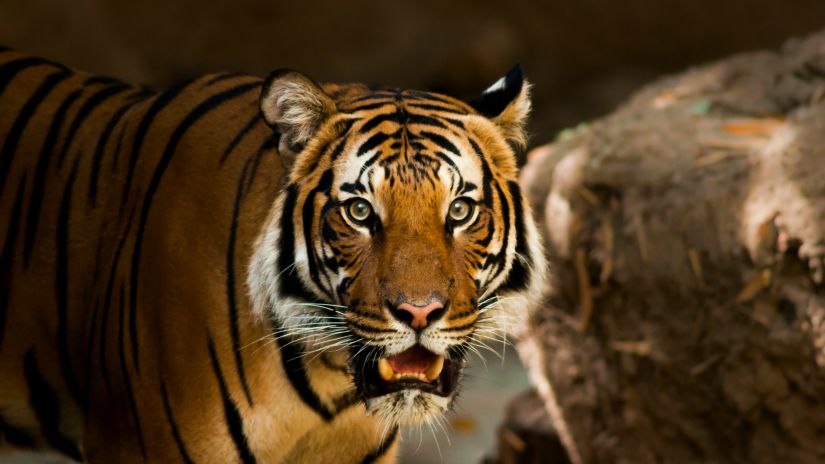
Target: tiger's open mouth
{"points": [[415, 368]]}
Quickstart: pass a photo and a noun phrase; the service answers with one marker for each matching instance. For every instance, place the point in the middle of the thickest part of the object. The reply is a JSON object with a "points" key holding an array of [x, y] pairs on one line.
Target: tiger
{"points": [[237, 269]]}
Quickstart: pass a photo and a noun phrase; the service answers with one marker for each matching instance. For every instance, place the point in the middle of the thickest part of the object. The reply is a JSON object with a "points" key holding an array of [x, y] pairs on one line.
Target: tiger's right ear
{"points": [[507, 104], [294, 106]]}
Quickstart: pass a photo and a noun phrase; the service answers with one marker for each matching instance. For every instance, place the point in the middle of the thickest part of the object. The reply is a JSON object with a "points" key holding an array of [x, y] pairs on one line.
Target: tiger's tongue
{"points": [[414, 360]]}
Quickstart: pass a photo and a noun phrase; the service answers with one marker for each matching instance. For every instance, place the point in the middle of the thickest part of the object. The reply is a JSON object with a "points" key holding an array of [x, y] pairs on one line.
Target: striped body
{"points": [[240, 270]]}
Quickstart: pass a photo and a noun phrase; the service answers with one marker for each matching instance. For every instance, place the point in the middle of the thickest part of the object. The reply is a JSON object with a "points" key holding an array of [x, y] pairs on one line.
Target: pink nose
{"points": [[420, 314]]}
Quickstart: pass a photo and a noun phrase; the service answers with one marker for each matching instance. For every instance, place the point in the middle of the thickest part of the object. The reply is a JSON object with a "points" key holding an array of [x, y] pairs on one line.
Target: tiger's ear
{"points": [[507, 104], [295, 106]]}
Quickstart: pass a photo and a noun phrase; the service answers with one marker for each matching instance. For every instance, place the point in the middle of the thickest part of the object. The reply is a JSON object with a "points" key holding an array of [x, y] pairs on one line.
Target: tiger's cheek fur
{"points": [[345, 252]]}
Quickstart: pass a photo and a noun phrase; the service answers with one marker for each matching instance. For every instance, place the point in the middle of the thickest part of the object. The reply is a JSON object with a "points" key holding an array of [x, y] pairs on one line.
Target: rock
{"points": [[527, 435], [686, 235]]}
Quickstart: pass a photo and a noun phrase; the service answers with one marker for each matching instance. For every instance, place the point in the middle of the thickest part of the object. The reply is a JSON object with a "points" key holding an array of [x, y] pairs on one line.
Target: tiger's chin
{"points": [[410, 388]]}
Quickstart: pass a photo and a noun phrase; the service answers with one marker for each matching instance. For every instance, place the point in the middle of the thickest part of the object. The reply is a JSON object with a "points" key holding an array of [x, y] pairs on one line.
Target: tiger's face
{"points": [[401, 240]]}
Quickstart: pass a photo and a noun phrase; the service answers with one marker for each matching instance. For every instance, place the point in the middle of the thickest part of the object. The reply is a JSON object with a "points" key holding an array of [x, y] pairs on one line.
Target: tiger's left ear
{"points": [[507, 104], [295, 106]]}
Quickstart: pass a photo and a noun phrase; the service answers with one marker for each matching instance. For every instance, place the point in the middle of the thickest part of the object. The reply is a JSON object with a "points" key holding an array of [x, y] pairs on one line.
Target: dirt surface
{"points": [[687, 321], [584, 56]]}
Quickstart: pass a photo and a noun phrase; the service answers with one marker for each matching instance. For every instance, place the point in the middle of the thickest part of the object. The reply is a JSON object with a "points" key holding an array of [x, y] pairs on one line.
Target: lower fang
{"points": [[385, 370], [435, 369]]}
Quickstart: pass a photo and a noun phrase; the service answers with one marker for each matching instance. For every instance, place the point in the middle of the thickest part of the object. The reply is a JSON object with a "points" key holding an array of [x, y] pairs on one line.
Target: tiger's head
{"points": [[401, 240]]}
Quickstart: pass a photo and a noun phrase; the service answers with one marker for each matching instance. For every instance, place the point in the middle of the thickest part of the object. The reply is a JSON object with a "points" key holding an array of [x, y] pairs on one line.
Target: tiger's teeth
{"points": [[385, 370], [409, 375], [435, 369]]}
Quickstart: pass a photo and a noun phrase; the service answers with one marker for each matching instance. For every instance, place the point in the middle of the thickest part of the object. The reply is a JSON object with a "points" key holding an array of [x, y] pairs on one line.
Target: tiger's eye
{"points": [[460, 210], [359, 210]]}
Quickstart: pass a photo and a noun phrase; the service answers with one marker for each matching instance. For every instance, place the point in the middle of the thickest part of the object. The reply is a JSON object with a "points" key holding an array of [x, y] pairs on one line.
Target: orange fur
{"points": [[133, 327]]}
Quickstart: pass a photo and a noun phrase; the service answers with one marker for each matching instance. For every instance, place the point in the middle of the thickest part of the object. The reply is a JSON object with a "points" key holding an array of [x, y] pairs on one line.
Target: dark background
{"points": [[584, 56]]}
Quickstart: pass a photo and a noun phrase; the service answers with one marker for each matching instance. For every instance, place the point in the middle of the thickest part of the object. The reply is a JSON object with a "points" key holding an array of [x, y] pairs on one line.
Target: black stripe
{"points": [[367, 328], [487, 175], [375, 121], [107, 301], [98, 256], [184, 454], [90, 347], [519, 272], [499, 258], [369, 162], [46, 406], [7, 256], [269, 143], [234, 421], [118, 145], [413, 118], [488, 181], [444, 109], [23, 117], [95, 100], [348, 399], [198, 112], [62, 288], [288, 283], [230, 284], [343, 139], [39, 182], [442, 142], [382, 449], [376, 95], [352, 187], [14, 436], [423, 95], [97, 159], [484, 242], [373, 142], [459, 328], [124, 369], [457, 123], [467, 187], [10, 69], [463, 314], [371, 106], [449, 161], [235, 141], [293, 365], [161, 101], [323, 187]]}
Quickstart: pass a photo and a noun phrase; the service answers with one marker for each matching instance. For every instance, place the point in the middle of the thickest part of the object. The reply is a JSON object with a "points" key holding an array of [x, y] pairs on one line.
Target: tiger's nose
{"points": [[418, 317]]}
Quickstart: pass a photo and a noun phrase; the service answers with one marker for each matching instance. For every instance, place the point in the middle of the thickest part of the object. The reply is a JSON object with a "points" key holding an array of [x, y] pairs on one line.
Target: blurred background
{"points": [[584, 57]]}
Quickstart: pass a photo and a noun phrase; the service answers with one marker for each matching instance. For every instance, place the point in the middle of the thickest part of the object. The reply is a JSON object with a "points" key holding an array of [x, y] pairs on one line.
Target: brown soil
{"points": [[687, 321]]}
